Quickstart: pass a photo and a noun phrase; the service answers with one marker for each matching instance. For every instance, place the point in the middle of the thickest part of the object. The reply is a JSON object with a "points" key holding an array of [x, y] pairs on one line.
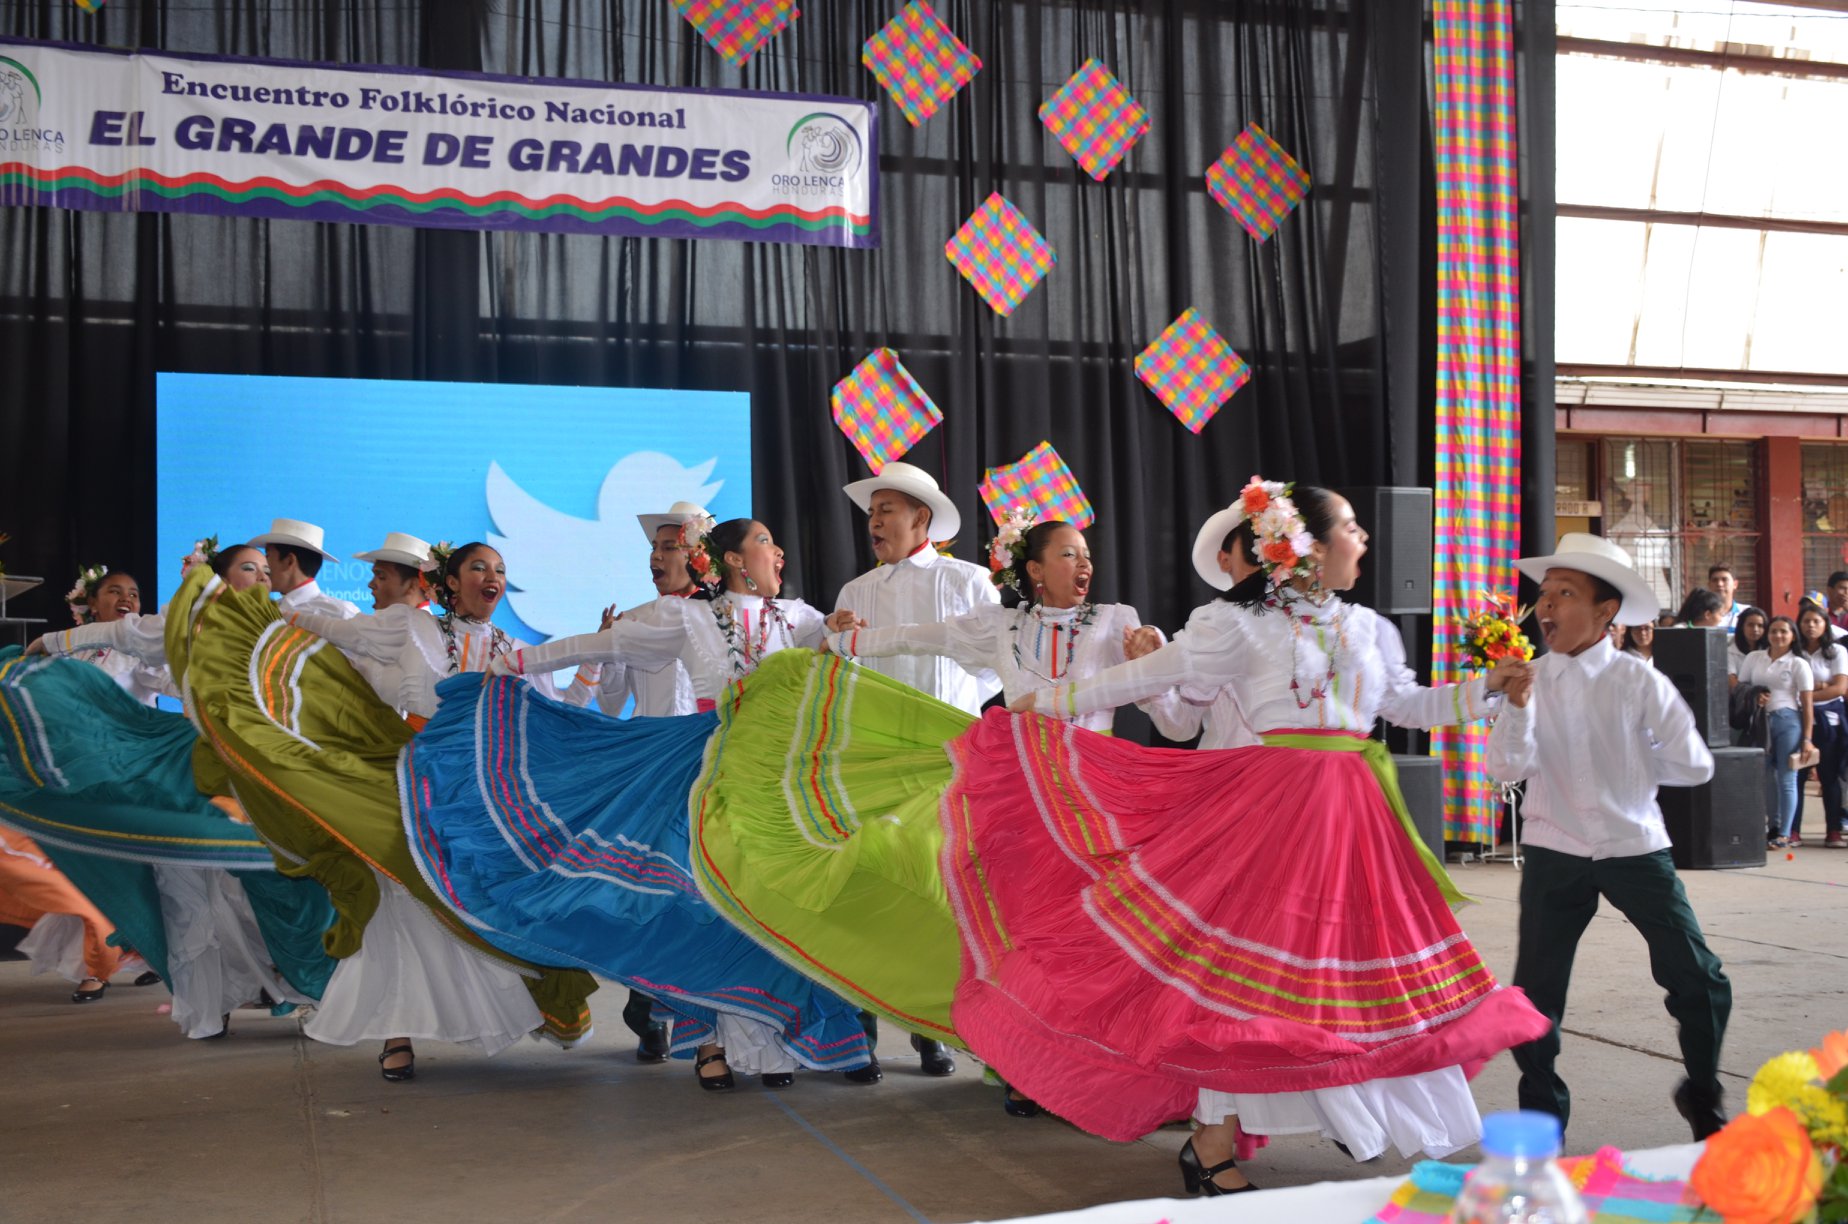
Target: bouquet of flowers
{"points": [[1494, 633], [1009, 546], [1781, 1161]]}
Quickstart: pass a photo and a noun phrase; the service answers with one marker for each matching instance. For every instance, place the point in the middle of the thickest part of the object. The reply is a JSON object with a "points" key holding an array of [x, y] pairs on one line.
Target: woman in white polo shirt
{"points": [[1828, 660], [1788, 681]]}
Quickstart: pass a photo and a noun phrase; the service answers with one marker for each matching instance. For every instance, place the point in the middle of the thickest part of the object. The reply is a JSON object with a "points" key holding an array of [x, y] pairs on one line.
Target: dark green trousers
{"points": [[1559, 895]]}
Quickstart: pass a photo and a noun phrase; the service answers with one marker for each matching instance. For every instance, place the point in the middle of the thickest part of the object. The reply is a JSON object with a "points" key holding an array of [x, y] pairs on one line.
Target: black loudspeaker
{"points": [[1421, 781], [1719, 823], [1395, 575], [1695, 659]]}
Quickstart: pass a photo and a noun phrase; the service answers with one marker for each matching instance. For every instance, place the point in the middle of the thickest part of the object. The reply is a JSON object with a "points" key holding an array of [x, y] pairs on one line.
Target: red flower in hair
{"points": [[1279, 552], [1255, 499]]}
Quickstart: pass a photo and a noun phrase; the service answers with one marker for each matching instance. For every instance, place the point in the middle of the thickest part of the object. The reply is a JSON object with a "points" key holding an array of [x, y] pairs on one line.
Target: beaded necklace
{"points": [[498, 642], [1087, 612], [740, 656], [1317, 692]]}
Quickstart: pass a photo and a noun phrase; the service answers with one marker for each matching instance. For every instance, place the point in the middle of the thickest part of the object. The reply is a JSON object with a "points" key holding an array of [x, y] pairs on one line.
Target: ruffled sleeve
{"points": [[1405, 702], [807, 623], [380, 637], [142, 637], [1209, 652], [647, 640], [969, 640]]}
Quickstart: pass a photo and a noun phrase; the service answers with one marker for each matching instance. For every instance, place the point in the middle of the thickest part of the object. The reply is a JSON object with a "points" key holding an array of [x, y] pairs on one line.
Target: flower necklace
{"points": [[498, 642], [1087, 612], [1320, 691], [741, 655]]}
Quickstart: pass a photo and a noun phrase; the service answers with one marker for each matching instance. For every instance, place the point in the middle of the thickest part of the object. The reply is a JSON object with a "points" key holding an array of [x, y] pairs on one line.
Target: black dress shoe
{"points": [[778, 1079], [933, 1056], [89, 996], [869, 1074], [714, 1083], [398, 1075], [1700, 1108], [1018, 1106], [150, 978], [654, 1047], [1199, 1180]]}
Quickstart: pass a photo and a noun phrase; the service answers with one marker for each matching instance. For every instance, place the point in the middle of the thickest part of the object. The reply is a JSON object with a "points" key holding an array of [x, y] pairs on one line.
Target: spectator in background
{"points": [[1838, 599], [1667, 621], [1702, 609], [1616, 632], [1828, 661], [1749, 636], [1787, 680], [1721, 582], [1639, 640]]}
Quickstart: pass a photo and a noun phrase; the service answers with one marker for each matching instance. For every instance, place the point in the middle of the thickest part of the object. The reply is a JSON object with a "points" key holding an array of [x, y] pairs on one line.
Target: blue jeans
{"points": [[1784, 733]]}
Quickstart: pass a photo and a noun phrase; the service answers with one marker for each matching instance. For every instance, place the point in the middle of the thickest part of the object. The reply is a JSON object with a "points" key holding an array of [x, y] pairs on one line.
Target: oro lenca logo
{"points": [[825, 144]]}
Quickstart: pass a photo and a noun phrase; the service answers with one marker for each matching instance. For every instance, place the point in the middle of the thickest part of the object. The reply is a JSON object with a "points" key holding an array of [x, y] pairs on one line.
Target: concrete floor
{"points": [[109, 1116]]}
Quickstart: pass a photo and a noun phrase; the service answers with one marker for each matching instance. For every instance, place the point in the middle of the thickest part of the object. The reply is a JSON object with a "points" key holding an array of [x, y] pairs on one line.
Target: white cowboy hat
{"points": [[945, 518], [1597, 556], [400, 549], [1207, 544], [677, 514], [296, 533]]}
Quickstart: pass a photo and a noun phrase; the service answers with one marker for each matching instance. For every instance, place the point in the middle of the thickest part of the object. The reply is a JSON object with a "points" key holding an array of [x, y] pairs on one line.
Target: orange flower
{"points": [[1254, 497], [1760, 1170], [1832, 1055], [1279, 552]]}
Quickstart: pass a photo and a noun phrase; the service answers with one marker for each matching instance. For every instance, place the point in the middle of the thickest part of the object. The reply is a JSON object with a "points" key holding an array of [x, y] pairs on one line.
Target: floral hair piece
{"points": [[695, 541], [78, 597], [440, 552], [203, 551], [1007, 554], [1280, 539]]}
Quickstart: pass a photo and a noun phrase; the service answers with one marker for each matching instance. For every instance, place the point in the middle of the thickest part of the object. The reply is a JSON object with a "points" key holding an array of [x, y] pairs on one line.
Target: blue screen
{"points": [[552, 476]]}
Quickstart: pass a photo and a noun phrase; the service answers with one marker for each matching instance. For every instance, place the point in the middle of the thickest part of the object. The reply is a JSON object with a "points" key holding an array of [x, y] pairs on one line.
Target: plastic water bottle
{"points": [[1518, 1181]]}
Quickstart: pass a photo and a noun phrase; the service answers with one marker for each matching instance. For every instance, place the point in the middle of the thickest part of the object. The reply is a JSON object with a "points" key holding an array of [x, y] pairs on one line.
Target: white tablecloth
{"points": [[1344, 1202]]}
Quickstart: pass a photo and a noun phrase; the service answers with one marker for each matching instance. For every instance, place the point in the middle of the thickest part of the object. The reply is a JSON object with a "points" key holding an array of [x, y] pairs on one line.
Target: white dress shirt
{"points": [[132, 649], [665, 692], [1786, 677], [308, 598], [1027, 648], [923, 589], [718, 641], [1259, 653], [1600, 732]]}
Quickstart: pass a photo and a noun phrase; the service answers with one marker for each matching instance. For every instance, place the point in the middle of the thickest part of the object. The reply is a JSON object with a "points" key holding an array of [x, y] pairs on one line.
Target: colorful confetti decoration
{"points": [[1257, 182], [1095, 118], [919, 61], [1001, 254], [1041, 480], [1477, 498], [882, 410], [1192, 370], [737, 28]]}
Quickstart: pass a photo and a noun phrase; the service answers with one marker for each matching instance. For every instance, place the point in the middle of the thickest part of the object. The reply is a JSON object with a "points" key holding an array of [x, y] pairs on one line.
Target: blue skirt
{"points": [[560, 835]]}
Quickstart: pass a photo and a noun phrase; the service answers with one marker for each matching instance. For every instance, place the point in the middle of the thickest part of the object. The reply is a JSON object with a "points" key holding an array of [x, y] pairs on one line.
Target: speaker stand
{"points": [[1510, 795]]}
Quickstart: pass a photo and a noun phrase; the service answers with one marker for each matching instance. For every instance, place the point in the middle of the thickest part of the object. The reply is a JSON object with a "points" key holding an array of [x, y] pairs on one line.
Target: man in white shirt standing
{"points": [[1595, 732], [1722, 582], [907, 516], [295, 556]]}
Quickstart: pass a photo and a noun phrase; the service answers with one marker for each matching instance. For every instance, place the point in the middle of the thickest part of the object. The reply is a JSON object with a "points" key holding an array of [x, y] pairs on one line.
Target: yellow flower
{"points": [[1825, 1115], [1781, 1081]]}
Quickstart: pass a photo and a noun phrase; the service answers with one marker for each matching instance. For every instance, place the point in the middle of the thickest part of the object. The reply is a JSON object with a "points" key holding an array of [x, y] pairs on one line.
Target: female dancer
{"points": [[1789, 684], [103, 598], [579, 854]]}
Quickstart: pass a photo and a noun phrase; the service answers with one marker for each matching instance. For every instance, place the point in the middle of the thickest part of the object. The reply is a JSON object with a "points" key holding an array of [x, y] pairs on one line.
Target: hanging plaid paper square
{"points": [[1095, 119], [1257, 182], [1192, 370], [1001, 254], [1040, 480], [919, 61], [881, 408], [737, 28]]}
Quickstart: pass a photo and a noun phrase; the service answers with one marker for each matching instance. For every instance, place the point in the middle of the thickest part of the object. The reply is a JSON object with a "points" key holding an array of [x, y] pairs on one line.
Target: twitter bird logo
{"points": [[562, 570]]}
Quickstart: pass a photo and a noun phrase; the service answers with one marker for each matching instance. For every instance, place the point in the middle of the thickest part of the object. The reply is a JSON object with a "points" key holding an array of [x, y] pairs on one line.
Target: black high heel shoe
{"points": [[397, 1075], [1199, 1180], [90, 996], [1018, 1106], [714, 1083]]}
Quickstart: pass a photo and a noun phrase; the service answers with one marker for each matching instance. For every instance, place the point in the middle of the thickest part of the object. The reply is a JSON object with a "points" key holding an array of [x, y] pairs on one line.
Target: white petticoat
{"points": [[411, 978], [753, 1047], [216, 959], [1432, 1113], [55, 946]]}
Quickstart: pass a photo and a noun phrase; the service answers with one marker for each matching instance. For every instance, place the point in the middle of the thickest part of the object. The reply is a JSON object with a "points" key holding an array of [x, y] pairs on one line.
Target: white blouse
{"points": [[131, 649], [406, 652], [1786, 677], [1027, 648], [718, 641], [1293, 666]]}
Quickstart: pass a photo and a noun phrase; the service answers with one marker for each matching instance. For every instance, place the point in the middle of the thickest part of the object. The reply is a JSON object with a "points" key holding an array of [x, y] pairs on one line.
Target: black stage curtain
{"points": [[1331, 313]]}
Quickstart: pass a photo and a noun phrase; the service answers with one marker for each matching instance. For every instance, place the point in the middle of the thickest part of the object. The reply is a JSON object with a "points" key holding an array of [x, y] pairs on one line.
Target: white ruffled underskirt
{"points": [[54, 945], [217, 961], [411, 978], [752, 1047], [1432, 1113]]}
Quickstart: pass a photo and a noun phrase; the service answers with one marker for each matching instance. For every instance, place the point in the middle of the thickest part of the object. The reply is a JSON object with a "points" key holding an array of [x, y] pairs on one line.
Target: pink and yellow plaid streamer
{"points": [[1192, 370], [919, 61], [1257, 182], [1095, 118], [737, 28], [1001, 254], [1040, 480], [882, 410], [1478, 494]]}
